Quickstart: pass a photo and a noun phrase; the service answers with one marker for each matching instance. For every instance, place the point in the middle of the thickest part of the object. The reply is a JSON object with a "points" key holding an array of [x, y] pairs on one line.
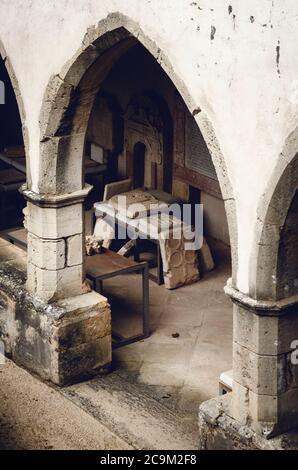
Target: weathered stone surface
{"points": [[54, 285], [46, 254], [265, 377], [82, 337], [264, 334], [258, 334], [239, 408], [81, 361], [63, 91], [226, 433], [180, 266], [86, 324], [7, 321], [104, 231], [63, 175], [61, 342], [74, 250], [54, 223], [262, 374], [267, 415]]}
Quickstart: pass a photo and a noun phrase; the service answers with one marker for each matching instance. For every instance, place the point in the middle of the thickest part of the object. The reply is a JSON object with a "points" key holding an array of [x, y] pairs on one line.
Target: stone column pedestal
{"points": [[265, 369], [55, 227], [264, 400], [54, 325]]}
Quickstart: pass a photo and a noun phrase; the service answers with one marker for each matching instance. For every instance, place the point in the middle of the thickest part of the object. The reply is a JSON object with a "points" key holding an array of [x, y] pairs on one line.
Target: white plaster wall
{"points": [[215, 221], [235, 78]]}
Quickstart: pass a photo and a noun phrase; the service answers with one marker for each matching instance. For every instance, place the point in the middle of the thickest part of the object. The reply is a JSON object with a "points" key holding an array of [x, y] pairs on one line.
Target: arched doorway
{"points": [[63, 133], [12, 155]]}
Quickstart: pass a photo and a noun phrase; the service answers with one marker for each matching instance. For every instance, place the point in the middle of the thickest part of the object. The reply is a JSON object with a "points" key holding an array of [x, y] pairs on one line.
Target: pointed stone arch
{"points": [[68, 102], [272, 215], [21, 108]]}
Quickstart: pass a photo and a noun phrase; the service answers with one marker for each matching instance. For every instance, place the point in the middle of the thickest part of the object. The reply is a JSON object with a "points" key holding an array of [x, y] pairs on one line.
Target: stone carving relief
{"points": [[142, 124]]}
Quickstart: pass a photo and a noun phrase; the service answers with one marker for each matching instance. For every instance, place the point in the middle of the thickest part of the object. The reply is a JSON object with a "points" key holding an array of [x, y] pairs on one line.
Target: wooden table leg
{"points": [[145, 279]]}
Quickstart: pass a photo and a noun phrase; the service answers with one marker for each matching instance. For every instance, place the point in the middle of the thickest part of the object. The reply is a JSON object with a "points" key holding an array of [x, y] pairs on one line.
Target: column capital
{"points": [[262, 307], [55, 201]]}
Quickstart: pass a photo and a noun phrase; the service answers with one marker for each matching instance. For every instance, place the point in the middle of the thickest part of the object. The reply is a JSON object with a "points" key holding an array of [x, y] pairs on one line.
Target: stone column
{"points": [[263, 405], [265, 370], [55, 227], [71, 338]]}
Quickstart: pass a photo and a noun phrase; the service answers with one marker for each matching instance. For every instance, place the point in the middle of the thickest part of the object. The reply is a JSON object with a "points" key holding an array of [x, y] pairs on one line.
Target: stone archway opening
{"points": [[86, 93], [265, 323], [13, 260], [12, 155], [137, 107]]}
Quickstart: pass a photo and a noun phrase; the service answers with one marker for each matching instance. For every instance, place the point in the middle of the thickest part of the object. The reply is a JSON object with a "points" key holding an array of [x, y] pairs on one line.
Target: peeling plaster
{"points": [[278, 57]]}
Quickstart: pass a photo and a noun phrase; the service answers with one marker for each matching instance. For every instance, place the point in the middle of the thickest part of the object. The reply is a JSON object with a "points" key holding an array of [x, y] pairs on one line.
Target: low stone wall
{"points": [[62, 342], [219, 431]]}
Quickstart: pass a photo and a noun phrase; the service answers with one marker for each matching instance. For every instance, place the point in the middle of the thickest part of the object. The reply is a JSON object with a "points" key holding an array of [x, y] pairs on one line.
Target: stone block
{"points": [[55, 223], [46, 254], [260, 412], [240, 403], [268, 335], [288, 411], [51, 115], [180, 266], [74, 250], [226, 433], [81, 340], [259, 373], [7, 321], [272, 415], [62, 176], [267, 415], [263, 411], [85, 323], [287, 331], [54, 285], [84, 360]]}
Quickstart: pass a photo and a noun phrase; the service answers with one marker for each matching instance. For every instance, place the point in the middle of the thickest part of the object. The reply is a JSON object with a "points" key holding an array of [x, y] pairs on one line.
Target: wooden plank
{"points": [[19, 163], [17, 236], [107, 262], [11, 175], [198, 180], [16, 151]]}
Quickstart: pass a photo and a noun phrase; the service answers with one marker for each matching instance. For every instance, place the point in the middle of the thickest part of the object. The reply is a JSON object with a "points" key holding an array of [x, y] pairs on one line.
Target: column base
{"points": [[62, 342], [219, 431]]}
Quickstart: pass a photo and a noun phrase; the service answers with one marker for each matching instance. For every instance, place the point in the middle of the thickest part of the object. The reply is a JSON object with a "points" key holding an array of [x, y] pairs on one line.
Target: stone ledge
{"points": [[218, 431], [55, 201], [262, 307]]}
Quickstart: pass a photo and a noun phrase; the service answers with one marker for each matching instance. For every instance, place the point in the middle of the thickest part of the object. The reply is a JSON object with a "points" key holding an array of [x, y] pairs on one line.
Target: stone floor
{"points": [[184, 369], [36, 416], [151, 398]]}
